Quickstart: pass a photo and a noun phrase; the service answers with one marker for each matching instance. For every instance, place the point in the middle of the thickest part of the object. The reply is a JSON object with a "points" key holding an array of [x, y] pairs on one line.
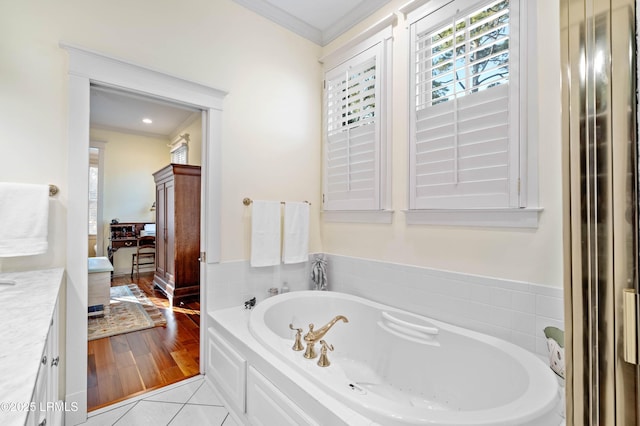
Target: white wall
{"points": [[129, 163], [129, 189], [271, 125], [271, 133], [517, 254]]}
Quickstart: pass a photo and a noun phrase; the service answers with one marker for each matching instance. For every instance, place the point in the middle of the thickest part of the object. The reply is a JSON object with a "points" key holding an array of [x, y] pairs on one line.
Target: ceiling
{"points": [[120, 111], [320, 21]]}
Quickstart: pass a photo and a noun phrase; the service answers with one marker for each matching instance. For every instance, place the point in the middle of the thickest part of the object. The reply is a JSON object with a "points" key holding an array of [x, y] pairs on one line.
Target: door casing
{"points": [[86, 68]]}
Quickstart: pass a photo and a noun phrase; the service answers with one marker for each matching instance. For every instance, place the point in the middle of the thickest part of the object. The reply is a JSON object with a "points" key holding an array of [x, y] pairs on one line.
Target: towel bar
{"points": [[247, 201], [53, 190]]}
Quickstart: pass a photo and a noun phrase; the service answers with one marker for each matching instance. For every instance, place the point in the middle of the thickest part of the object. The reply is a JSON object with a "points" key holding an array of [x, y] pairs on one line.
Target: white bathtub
{"points": [[398, 368]]}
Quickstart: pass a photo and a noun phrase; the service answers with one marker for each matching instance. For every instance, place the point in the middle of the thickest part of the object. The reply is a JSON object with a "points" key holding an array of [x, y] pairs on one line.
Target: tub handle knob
{"points": [[297, 346], [324, 360]]}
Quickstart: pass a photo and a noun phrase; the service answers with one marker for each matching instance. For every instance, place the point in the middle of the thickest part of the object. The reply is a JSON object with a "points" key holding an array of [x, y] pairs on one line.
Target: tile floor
{"points": [[189, 404]]}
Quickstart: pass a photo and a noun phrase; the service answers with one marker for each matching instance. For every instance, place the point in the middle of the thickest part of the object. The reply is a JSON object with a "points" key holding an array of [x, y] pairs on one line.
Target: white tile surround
{"points": [[511, 310], [236, 281]]}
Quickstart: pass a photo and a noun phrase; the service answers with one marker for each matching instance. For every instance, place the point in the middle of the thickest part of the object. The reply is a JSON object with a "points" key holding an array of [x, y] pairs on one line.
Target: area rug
{"points": [[129, 310]]}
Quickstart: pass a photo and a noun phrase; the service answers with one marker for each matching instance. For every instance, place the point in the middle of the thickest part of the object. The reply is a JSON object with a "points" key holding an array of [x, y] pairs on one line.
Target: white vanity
{"points": [[30, 353]]}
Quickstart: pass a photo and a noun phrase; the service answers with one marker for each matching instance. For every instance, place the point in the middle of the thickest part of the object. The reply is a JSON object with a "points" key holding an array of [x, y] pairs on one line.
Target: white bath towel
{"points": [[265, 233], [295, 248], [24, 216]]}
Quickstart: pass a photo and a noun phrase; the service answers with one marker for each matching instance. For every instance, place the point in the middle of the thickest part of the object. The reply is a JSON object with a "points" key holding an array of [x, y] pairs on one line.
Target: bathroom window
{"points": [[94, 175], [355, 126], [467, 136]]}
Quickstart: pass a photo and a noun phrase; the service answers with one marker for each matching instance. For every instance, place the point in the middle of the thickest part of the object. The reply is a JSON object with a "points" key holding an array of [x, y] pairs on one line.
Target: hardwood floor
{"points": [[122, 366]]}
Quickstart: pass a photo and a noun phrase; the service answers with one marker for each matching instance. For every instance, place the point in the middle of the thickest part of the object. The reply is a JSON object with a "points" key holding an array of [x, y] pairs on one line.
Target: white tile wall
{"points": [[232, 283], [512, 310]]}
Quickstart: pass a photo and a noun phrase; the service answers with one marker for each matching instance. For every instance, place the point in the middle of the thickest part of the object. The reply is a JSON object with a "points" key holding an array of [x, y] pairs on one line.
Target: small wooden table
{"points": [[99, 284]]}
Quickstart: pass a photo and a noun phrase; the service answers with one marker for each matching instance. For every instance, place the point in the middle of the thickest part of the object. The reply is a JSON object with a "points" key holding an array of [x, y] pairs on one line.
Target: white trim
{"points": [[320, 36], [77, 245], [379, 36], [495, 218], [350, 19], [409, 7], [378, 32], [421, 9], [523, 171], [100, 146], [115, 72], [87, 67], [280, 17], [358, 216], [212, 178]]}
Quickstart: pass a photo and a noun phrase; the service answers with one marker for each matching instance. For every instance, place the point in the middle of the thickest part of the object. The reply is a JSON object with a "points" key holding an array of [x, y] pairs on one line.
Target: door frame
{"points": [[87, 67]]}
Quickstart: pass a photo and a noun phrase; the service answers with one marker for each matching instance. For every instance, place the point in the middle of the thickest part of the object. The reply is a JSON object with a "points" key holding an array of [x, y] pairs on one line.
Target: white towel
{"points": [[296, 232], [265, 233], [24, 216]]}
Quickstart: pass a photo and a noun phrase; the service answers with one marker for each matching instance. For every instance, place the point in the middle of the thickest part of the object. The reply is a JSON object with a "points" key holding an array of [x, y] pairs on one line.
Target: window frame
{"points": [[179, 149], [377, 38], [524, 211], [100, 228]]}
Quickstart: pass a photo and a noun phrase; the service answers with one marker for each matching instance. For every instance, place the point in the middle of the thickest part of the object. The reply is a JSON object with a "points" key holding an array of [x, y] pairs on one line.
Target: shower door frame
{"points": [[600, 182]]}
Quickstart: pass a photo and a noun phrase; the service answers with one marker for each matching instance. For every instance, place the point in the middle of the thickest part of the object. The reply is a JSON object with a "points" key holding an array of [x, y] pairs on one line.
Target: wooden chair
{"points": [[145, 254]]}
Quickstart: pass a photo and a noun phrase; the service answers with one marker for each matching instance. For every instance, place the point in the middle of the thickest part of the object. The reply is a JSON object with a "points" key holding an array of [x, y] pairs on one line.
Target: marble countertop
{"points": [[26, 309]]}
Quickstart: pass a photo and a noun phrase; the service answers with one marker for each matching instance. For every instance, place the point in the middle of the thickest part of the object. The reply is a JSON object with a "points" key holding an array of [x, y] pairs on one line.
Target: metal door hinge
{"points": [[203, 257], [630, 326]]}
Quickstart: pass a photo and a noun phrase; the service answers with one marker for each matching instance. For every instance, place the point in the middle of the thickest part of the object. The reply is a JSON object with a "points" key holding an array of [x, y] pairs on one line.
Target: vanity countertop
{"points": [[26, 309]]}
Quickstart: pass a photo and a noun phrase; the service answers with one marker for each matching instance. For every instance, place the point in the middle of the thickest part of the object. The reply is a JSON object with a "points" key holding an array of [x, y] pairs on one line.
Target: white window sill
{"points": [[505, 218], [358, 216]]}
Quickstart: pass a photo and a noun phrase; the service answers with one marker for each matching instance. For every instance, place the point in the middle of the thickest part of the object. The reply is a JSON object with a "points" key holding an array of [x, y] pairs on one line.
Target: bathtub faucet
{"points": [[314, 336]]}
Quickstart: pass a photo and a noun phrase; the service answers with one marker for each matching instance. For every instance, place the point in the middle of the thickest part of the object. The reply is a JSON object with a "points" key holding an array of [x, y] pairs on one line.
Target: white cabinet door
{"points": [[268, 406], [228, 368]]}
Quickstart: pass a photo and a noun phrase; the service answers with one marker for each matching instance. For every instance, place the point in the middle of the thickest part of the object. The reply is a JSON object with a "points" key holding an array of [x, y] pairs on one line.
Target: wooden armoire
{"points": [[177, 231]]}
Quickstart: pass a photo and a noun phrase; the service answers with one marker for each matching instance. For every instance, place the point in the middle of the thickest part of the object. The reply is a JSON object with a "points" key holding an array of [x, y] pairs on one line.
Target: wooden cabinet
{"points": [[178, 231]]}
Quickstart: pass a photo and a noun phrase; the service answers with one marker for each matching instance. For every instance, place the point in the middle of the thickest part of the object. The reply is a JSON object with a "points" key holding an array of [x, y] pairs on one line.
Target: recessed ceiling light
{"points": [[147, 120]]}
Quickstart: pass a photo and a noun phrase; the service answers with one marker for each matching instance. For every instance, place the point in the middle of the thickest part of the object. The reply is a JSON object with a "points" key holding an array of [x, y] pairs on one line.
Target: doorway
{"points": [[139, 340], [86, 68]]}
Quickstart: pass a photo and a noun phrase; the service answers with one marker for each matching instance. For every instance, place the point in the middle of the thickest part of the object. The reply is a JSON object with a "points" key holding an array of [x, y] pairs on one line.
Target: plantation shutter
{"points": [[179, 154], [352, 134], [465, 148]]}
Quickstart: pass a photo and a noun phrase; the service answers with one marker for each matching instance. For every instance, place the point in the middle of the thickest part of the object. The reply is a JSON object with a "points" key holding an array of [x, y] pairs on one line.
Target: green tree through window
{"points": [[474, 57]]}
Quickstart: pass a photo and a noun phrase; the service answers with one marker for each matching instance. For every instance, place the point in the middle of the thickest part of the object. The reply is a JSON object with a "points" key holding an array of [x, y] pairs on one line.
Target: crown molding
{"points": [[318, 36], [280, 17]]}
